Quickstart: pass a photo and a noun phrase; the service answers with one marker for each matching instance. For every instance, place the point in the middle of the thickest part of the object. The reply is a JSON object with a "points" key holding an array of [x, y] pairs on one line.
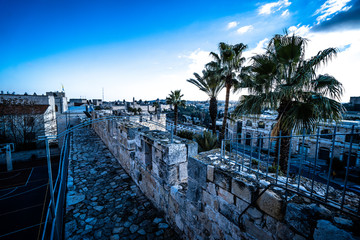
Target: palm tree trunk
{"points": [[213, 113], [175, 116], [284, 151], [222, 134]]}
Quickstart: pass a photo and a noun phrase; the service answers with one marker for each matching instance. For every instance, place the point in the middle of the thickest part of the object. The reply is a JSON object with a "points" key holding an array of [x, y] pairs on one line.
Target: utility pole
{"points": [[103, 94]]}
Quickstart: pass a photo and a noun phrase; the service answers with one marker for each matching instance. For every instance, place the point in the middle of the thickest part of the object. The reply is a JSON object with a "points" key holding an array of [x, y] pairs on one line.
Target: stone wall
{"points": [[205, 199]]}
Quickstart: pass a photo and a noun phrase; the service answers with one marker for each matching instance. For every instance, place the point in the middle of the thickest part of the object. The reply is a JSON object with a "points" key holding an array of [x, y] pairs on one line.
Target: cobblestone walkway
{"points": [[102, 200]]}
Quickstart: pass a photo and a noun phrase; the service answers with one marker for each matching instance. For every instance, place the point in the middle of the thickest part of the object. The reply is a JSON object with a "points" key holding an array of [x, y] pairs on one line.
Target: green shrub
{"points": [[206, 141], [254, 162], [272, 169], [185, 134]]}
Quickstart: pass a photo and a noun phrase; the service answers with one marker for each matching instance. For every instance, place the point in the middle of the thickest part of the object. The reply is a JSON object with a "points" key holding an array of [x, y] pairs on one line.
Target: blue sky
{"points": [[145, 49]]}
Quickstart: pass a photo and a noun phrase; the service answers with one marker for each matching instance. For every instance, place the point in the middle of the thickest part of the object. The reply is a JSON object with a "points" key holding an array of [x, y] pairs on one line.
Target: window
{"points": [[355, 138], [248, 139], [326, 133], [324, 153], [261, 124], [353, 157]]}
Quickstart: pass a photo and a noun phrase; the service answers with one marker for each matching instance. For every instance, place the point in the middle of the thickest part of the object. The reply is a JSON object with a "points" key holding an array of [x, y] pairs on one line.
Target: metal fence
{"points": [[53, 227], [322, 167]]}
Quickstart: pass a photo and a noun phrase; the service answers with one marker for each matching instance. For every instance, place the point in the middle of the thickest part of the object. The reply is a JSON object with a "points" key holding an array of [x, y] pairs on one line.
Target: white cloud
{"points": [[259, 49], [198, 60], [244, 29], [273, 7], [331, 7], [299, 30], [232, 24], [343, 67], [285, 13]]}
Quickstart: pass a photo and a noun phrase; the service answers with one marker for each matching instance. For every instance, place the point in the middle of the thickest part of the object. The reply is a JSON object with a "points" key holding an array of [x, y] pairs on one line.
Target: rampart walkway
{"points": [[102, 200]]}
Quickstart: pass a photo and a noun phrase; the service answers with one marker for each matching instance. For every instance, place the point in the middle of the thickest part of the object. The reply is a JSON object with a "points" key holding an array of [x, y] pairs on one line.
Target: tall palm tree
{"points": [[230, 62], [175, 100], [283, 80], [211, 84]]}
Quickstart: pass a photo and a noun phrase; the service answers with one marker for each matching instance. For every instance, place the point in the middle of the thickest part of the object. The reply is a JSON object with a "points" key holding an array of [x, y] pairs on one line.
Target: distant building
{"points": [[23, 118], [61, 105], [97, 102], [77, 102], [255, 131]]}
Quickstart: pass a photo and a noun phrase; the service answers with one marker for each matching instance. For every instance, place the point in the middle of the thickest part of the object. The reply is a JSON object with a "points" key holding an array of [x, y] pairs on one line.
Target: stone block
{"points": [[241, 204], [183, 171], [210, 173], [227, 196], [222, 179], [197, 171], [242, 189], [211, 188], [179, 222], [272, 204], [325, 229], [194, 192], [229, 211], [283, 232], [175, 154], [297, 216], [192, 149], [254, 213], [254, 230]]}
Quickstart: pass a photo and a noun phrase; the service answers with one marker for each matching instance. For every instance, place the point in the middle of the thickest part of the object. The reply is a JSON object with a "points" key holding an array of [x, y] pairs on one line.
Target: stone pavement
{"points": [[102, 200]]}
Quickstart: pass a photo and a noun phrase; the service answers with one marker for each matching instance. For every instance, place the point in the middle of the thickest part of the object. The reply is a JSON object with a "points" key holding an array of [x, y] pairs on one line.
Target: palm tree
{"points": [[156, 105], [211, 84], [283, 80], [230, 63], [174, 99]]}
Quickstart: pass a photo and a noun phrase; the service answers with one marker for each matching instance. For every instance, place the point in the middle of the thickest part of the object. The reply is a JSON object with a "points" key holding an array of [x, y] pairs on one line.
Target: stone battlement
{"points": [[203, 198]]}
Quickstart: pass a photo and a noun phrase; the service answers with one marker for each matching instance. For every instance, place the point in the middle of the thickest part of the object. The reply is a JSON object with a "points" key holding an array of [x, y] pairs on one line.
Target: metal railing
{"points": [[321, 167], [53, 226]]}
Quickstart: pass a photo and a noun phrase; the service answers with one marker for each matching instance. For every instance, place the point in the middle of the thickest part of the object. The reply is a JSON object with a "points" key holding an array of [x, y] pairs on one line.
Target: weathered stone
{"points": [[183, 171], [134, 228], [74, 199], [242, 190], [222, 179], [326, 229], [254, 230], [343, 223], [70, 228], [229, 211], [210, 173], [254, 213], [283, 232], [298, 217], [197, 172], [226, 195], [272, 204]]}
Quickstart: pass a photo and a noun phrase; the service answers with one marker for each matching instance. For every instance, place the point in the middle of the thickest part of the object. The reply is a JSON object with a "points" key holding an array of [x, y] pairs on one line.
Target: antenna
{"points": [[103, 94]]}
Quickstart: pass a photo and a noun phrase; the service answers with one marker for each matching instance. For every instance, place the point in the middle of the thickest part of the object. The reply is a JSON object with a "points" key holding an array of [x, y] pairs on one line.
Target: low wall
{"points": [[204, 199]]}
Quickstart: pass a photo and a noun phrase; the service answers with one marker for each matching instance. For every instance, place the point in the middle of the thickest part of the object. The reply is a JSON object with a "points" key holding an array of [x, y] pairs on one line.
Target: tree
{"points": [[21, 121], [156, 105], [228, 64], [174, 99], [211, 84], [283, 80]]}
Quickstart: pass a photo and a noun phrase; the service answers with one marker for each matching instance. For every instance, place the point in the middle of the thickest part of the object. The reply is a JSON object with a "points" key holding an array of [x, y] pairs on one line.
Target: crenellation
{"points": [[206, 197]]}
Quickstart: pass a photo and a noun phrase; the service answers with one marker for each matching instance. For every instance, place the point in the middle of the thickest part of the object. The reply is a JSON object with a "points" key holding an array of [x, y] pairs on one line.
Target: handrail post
{"points": [[51, 186]]}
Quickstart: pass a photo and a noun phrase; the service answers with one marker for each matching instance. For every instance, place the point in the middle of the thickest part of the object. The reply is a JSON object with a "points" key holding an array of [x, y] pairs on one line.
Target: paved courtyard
{"points": [[102, 200]]}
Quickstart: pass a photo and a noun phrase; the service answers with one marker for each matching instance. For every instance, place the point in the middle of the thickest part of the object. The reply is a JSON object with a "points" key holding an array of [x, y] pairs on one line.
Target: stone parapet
{"points": [[206, 199]]}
